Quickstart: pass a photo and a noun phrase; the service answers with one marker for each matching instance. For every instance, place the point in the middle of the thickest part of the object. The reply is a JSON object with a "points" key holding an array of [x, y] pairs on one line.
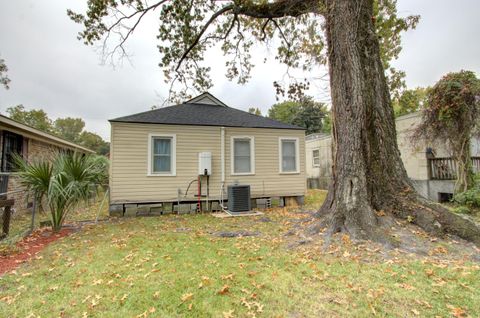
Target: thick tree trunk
{"points": [[368, 173]]}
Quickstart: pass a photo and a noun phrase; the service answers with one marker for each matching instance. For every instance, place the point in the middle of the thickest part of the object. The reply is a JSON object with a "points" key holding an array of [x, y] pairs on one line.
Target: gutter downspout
{"points": [[222, 160], [222, 149]]}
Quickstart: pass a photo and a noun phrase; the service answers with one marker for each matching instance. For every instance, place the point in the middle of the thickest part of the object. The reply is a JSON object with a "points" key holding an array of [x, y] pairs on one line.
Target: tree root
{"points": [[438, 220], [368, 224]]}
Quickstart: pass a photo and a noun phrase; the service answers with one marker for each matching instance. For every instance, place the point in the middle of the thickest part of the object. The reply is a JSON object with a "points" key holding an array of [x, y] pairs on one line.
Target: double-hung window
{"points": [[316, 157], [162, 155], [243, 155], [289, 155]]}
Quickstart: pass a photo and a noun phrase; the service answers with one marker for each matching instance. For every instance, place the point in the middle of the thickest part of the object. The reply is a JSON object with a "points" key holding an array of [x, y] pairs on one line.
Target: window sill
{"points": [[161, 175], [289, 172], [243, 174]]}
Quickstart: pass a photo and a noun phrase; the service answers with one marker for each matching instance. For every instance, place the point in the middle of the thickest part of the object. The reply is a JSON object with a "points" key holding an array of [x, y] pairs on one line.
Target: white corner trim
{"points": [[297, 155], [173, 166], [252, 156]]}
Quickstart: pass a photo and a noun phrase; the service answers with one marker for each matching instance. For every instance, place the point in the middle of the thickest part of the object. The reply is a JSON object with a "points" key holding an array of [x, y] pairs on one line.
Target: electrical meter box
{"points": [[205, 163]]}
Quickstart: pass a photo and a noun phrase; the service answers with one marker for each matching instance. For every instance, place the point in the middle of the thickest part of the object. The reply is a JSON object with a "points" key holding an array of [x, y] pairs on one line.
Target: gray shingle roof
{"points": [[204, 115]]}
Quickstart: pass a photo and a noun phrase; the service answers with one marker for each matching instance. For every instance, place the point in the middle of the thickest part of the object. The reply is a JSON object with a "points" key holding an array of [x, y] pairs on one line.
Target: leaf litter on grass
{"points": [[140, 264]]}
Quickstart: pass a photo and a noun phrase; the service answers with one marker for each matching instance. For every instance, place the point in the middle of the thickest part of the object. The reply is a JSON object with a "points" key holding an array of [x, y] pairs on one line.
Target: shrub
{"points": [[470, 198], [462, 210], [65, 181], [102, 164]]}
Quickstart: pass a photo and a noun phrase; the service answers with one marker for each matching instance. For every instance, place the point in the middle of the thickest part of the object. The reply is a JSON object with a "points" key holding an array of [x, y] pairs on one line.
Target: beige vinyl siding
{"points": [[267, 180], [130, 182]]}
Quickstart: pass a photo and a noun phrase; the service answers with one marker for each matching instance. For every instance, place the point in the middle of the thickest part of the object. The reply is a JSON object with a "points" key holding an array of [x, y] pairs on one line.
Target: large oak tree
{"points": [[355, 38]]}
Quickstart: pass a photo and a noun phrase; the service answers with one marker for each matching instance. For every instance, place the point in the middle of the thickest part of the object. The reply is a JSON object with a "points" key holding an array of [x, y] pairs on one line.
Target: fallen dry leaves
{"points": [[186, 297], [224, 290], [457, 312]]}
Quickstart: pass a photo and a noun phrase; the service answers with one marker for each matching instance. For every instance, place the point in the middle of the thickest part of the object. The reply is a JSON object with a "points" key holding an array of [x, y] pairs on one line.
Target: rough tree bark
{"points": [[368, 173]]}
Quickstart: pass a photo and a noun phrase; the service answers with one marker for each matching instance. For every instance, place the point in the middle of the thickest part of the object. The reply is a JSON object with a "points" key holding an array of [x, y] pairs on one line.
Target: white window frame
{"points": [[252, 156], [173, 163], [297, 155], [313, 158]]}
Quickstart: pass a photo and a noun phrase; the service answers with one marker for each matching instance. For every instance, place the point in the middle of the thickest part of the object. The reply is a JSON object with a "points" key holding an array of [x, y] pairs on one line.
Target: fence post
{"points": [[429, 169], [7, 212], [34, 209], [6, 221], [101, 205]]}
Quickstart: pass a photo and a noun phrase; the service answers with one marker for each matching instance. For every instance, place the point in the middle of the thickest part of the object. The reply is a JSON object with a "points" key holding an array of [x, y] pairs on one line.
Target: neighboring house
{"points": [[158, 155], [430, 166], [318, 155], [30, 143]]}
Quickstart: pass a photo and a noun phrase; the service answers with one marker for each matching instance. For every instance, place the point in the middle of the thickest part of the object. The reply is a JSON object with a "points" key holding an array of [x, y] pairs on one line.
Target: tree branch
{"points": [[281, 9], [128, 17], [202, 31], [118, 24], [270, 11], [264, 27], [281, 33]]}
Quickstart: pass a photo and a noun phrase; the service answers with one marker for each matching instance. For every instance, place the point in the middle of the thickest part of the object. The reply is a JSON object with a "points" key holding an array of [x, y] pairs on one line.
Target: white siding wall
{"points": [[413, 153], [324, 145]]}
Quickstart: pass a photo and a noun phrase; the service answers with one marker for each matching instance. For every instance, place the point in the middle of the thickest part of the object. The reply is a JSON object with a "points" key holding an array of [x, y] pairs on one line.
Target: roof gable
{"points": [[206, 98]]}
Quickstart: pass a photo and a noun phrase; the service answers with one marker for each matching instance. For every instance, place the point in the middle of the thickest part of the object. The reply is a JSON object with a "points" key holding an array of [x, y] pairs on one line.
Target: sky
{"points": [[50, 69]]}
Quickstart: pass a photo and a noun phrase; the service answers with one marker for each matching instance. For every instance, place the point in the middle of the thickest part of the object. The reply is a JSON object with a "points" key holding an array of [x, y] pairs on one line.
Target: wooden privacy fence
{"points": [[445, 168]]}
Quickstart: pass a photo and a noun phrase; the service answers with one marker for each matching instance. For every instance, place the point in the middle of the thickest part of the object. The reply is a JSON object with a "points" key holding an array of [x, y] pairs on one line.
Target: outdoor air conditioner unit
{"points": [[238, 198]]}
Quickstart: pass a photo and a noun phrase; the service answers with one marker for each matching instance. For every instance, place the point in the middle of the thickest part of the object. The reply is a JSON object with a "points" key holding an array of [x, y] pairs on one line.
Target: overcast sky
{"points": [[51, 69]]}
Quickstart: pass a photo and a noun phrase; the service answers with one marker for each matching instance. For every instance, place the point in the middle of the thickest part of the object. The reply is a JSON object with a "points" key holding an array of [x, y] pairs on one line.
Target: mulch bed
{"points": [[29, 247]]}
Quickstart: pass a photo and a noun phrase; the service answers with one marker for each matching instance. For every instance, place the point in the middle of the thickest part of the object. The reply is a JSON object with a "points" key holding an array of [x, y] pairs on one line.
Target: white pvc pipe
{"points": [[222, 149], [222, 159]]}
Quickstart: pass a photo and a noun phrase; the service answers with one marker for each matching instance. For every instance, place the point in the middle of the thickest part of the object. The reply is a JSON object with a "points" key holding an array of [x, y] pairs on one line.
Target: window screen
{"points": [[289, 161], [12, 144], [242, 156], [162, 155]]}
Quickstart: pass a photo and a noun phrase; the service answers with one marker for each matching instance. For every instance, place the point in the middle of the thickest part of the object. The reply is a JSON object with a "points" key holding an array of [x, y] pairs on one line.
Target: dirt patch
{"points": [[30, 246]]}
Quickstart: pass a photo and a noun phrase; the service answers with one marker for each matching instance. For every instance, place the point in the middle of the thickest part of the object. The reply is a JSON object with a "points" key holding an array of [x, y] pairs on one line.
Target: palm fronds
{"points": [[71, 178]]}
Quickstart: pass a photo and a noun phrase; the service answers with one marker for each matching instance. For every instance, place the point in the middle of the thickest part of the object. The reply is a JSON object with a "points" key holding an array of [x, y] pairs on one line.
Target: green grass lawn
{"points": [[174, 266]]}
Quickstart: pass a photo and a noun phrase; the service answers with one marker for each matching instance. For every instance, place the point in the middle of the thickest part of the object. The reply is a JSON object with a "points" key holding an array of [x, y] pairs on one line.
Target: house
{"points": [[429, 166], [29, 143], [190, 153]]}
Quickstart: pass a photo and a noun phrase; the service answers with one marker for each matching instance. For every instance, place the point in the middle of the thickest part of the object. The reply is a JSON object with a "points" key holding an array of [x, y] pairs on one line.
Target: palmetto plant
{"points": [[64, 181]]}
